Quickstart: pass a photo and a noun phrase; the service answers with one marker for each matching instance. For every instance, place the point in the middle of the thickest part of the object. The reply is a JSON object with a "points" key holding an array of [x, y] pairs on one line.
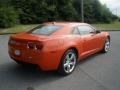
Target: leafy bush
{"points": [[8, 17]]}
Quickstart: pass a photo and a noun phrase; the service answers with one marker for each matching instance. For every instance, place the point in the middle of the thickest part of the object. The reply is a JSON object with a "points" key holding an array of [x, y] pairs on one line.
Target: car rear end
{"points": [[25, 50], [31, 47]]}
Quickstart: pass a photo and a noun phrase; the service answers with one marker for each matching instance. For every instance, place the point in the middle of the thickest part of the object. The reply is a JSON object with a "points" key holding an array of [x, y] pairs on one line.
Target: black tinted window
{"points": [[45, 29]]}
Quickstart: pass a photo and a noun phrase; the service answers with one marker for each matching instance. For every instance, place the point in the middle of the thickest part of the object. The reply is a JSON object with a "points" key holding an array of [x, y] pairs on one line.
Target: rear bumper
{"points": [[46, 60]]}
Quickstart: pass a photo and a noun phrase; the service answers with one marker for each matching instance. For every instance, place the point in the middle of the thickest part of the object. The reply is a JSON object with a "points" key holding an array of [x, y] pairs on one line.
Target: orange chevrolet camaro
{"points": [[57, 45]]}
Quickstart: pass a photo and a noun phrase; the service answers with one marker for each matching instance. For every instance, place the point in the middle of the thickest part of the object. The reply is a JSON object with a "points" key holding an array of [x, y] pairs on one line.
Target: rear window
{"points": [[45, 29]]}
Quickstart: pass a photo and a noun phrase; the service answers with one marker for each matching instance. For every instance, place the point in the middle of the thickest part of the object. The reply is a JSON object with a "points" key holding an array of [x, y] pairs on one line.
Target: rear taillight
{"points": [[37, 46], [12, 42], [30, 45]]}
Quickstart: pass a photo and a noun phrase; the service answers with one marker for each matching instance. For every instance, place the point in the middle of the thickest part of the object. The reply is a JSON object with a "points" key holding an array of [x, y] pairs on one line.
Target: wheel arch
{"points": [[76, 51], [108, 36], [74, 48]]}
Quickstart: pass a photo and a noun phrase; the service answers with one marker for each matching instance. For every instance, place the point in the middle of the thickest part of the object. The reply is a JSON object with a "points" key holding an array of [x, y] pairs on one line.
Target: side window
{"points": [[85, 29], [75, 31]]}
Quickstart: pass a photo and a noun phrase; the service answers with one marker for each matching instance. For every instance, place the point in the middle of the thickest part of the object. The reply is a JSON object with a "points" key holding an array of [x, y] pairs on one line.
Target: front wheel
{"points": [[68, 62], [106, 46]]}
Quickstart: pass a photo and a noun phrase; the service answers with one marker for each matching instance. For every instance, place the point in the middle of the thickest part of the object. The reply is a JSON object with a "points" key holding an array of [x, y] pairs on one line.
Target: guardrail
{"points": [[111, 30], [7, 33]]}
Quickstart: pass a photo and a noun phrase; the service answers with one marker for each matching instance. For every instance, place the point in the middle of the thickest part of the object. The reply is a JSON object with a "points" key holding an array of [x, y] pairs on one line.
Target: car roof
{"points": [[66, 23], [67, 27]]}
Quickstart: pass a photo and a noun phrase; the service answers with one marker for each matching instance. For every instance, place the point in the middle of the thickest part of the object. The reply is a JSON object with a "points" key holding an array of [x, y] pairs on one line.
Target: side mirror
{"points": [[98, 31]]}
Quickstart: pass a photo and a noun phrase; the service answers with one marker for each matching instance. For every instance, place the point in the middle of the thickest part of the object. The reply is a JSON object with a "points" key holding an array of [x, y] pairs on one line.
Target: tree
{"points": [[38, 11], [67, 11], [8, 17]]}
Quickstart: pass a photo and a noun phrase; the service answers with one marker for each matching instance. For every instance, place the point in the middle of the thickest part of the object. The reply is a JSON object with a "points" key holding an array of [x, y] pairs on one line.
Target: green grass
{"points": [[111, 26], [18, 28], [23, 28]]}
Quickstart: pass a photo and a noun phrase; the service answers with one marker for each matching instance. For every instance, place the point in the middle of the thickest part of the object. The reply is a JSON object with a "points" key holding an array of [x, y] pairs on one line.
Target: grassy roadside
{"points": [[18, 28], [22, 28], [111, 26]]}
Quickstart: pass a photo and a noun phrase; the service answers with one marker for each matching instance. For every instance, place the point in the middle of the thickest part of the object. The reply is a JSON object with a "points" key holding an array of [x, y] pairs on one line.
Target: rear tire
{"points": [[68, 62]]}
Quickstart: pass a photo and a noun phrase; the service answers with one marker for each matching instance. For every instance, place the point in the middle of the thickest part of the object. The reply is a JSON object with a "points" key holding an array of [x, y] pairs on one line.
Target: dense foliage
{"points": [[8, 15], [37, 11]]}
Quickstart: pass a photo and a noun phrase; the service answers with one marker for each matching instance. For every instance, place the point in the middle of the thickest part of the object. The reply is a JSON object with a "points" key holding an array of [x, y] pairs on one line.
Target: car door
{"points": [[89, 39], [97, 38]]}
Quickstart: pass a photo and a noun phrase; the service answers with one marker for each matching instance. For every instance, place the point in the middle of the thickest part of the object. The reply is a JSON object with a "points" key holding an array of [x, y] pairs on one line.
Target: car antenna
{"points": [[53, 23]]}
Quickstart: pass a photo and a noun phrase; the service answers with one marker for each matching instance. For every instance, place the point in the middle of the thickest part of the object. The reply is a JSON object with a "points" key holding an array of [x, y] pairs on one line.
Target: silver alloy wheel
{"points": [[107, 45], [69, 62]]}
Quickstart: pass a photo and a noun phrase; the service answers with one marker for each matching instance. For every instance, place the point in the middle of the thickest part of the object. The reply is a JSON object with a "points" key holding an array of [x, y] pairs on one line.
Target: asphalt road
{"points": [[98, 72]]}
